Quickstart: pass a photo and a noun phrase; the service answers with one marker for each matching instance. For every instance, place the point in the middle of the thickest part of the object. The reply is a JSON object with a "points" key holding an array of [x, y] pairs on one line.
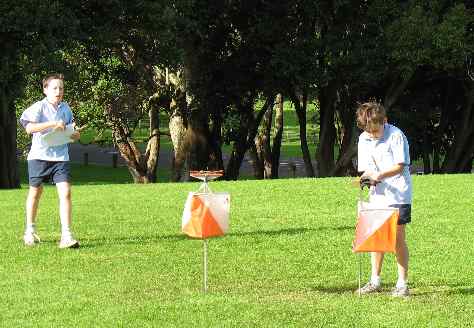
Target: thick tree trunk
{"points": [[216, 161], [462, 149], [300, 108], [327, 131], [178, 132], [277, 139], [257, 162], [197, 141], [262, 143], [153, 146], [9, 176], [347, 132]]}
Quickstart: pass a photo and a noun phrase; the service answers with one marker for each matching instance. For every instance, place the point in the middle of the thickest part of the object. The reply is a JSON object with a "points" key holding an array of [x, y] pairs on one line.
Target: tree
{"points": [[27, 45]]}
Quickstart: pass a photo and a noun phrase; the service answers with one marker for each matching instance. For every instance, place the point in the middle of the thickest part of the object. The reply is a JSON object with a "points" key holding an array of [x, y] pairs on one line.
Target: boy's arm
{"points": [[379, 176], [32, 127]]}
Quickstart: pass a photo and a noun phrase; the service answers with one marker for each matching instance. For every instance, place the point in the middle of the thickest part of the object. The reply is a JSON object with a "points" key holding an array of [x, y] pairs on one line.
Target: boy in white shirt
{"points": [[383, 156], [47, 162]]}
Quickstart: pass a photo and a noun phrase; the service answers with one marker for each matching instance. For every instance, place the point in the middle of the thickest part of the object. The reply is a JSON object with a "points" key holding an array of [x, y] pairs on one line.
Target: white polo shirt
{"points": [[40, 112], [379, 155]]}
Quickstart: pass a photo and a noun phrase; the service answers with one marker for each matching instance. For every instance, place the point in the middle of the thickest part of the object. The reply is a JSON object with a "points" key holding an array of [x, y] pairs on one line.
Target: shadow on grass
{"points": [[289, 231], [342, 289], [451, 289], [386, 289], [142, 239], [129, 240], [462, 291]]}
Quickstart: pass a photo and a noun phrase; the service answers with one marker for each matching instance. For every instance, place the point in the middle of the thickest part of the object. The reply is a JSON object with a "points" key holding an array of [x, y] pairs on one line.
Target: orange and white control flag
{"points": [[206, 215], [376, 229]]}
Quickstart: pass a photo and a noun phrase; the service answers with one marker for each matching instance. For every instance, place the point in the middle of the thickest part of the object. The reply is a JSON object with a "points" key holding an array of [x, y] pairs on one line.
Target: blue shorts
{"points": [[40, 171], [405, 213]]}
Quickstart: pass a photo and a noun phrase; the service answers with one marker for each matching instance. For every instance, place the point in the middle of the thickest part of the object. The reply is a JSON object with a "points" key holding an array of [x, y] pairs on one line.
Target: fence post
{"points": [[292, 167], [86, 159], [114, 160]]}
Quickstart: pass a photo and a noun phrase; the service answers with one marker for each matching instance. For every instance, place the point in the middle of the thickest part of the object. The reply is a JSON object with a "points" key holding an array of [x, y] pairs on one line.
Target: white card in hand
{"points": [[58, 137]]}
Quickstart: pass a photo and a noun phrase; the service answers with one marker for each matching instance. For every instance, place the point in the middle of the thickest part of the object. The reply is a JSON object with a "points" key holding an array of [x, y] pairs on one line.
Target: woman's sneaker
{"points": [[68, 242], [30, 239], [368, 289], [401, 292]]}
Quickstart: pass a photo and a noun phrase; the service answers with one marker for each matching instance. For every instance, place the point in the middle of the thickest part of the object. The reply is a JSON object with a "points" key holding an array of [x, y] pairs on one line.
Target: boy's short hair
{"points": [[49, 77], [370, 115]]}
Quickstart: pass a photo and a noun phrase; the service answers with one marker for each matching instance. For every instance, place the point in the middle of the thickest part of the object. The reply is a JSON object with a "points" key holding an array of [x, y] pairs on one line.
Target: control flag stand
{"points": [[376, 229], [206, 214]]}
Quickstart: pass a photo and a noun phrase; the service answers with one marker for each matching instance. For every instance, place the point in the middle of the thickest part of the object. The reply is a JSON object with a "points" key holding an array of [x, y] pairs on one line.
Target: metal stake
{"points": [[360, 272], [205, 265]]}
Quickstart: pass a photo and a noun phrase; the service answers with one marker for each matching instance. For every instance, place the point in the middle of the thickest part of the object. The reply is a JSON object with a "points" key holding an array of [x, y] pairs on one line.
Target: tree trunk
{"points": [[262, 143], [277, 139], [216, 161], [257, 163], [136, 162], [327, 130], [9, 175], [395, 90], [347, 132], [300, 108], [153, 146], [427, 142], [462, 149], [178, 132], [248, 130], [239, 148], [440, 131]]}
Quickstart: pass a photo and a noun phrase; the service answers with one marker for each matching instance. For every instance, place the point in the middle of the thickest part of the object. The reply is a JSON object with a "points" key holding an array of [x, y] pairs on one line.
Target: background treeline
{"points": [[206, 64]]}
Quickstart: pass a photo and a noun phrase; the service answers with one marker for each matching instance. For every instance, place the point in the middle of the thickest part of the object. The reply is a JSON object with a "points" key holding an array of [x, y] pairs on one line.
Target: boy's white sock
{"points": [[375, 280], [401, 283], [30, 228], [65, 230]]}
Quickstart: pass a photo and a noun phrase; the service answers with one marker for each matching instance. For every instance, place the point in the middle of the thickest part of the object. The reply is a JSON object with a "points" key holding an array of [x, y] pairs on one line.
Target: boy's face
{"points": [[54, 91], [377, 132]]}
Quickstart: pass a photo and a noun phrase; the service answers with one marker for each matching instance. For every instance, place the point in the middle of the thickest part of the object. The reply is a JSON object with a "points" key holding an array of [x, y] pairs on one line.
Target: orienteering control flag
{"points": [[376, 229], [206, 215]]}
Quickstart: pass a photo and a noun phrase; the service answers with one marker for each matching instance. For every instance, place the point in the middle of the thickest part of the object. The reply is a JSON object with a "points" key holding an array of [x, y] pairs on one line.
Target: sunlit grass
{"points": [[286, 261]]}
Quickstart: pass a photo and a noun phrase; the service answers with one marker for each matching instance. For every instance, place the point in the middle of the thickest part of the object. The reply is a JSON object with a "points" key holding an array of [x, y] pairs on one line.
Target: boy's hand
{"points": [[375, 176], [59, 125], [75, 136]]}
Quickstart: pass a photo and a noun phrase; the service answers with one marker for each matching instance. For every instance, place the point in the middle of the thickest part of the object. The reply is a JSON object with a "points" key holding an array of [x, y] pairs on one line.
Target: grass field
{"points": [[286, 261]]}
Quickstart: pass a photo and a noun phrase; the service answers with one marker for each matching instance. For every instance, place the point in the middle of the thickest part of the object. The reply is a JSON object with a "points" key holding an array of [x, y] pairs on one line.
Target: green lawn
{"points": [[286, 261]]}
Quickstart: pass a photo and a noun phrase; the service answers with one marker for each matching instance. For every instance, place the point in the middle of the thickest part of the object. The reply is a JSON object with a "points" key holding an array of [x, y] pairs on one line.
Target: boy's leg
{"points": [[37, 173], [402, 255], [32, 201], [376, 259], [64, 195], [373, 285], [65, 210]]}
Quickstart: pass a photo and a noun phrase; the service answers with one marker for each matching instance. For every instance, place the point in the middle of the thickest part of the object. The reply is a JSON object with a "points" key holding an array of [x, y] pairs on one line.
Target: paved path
{"points": [[105, 156]]}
